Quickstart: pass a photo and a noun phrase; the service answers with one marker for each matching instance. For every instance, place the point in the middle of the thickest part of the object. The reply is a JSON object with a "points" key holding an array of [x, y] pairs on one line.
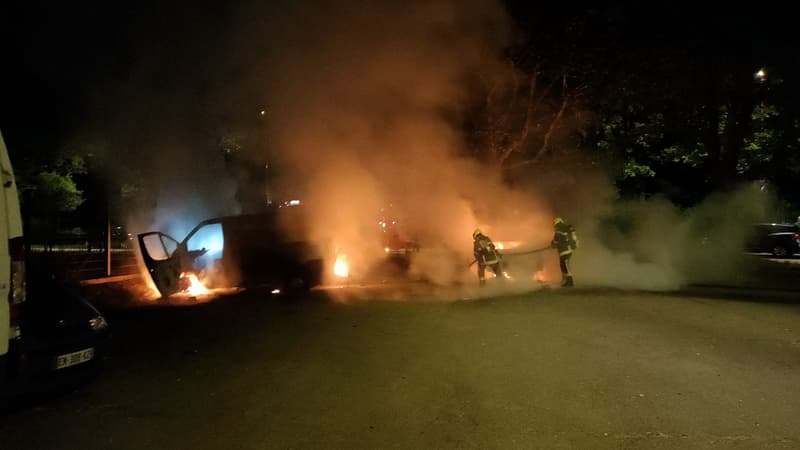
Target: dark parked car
{"points": [[235, 251], [781, 240], [64, 340]]}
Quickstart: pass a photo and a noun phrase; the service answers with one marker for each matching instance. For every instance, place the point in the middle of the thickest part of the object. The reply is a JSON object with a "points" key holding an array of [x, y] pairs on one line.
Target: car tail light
{"points": [[796, 238], [16, 294]]}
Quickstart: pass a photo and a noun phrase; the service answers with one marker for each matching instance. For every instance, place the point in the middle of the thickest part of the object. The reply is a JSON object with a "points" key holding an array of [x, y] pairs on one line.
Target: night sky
{"points": [[64, 63]]}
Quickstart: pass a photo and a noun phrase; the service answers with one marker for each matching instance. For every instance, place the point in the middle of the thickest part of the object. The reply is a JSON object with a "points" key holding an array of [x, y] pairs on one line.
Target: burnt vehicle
{"points": [[235, 251], [781, 240]]}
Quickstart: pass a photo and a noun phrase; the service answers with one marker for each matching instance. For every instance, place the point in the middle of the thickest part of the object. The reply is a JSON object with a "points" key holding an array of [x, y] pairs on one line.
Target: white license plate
{"points": [[71, 359]]}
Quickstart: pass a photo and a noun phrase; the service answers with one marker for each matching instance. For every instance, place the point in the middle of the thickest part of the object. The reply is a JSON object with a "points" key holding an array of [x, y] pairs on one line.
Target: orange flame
{"points": [[341, 268], [539, 276], [195, 286]]}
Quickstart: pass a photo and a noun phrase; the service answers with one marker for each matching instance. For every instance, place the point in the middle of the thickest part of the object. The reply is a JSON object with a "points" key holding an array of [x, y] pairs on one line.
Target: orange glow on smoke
{"points": [[341, 268], [195, 286]]}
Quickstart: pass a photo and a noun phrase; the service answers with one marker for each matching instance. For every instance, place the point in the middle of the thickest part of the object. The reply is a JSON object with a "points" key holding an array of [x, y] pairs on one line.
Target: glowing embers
{"points": [[190, 284], [341, 268], [540, 277]]}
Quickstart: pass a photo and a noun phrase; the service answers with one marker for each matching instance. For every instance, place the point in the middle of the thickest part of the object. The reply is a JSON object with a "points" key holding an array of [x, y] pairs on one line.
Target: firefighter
{"points": [[486, 255], [565, 241]]}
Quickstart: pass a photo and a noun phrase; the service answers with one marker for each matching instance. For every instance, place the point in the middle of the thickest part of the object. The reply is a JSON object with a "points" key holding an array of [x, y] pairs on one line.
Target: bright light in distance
{"points": [[263, 112], [276, 291], [386, 249], [341, 268]]}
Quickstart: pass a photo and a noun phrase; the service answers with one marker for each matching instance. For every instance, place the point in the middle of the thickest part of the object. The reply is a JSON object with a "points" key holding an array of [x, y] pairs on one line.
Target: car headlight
{"points": [[98, 323]]}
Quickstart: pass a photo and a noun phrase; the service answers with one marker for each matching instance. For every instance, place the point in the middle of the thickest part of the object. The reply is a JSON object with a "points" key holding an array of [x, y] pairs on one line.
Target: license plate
{"points": [[71, 359]]}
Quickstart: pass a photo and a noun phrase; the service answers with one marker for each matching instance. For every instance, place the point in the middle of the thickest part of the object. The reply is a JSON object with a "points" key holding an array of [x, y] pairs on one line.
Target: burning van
{"points": [[233, 251]]}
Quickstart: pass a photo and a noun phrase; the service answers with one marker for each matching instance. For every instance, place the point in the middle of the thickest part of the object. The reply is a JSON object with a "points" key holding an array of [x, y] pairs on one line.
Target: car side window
{"points": [[208, 237], [159, 246]]}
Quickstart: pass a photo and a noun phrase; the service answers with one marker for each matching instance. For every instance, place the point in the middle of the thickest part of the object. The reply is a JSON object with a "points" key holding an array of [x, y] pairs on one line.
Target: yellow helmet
{"points": [[476, 233], [558, 220]]}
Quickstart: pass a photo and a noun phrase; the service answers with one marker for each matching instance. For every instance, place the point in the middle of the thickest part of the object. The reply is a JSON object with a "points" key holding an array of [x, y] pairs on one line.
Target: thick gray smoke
{"points": [[654, 245]]}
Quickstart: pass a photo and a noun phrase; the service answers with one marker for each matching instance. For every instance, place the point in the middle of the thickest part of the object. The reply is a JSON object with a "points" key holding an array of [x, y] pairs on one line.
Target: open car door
{"points": [[162, 259]]}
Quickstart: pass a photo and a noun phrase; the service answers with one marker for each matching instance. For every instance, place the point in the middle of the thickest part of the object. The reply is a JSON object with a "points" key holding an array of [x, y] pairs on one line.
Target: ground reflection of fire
{"points": [[341, 268]]}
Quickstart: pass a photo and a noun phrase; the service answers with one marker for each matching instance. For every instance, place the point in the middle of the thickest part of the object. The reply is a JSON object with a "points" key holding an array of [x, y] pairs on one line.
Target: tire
{"points": [[780, 251]]}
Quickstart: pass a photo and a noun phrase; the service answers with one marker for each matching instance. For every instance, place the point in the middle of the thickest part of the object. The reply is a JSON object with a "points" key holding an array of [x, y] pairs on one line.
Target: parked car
{"points": [[234, 251], [47, 332], [781, 240], [65, 339]]}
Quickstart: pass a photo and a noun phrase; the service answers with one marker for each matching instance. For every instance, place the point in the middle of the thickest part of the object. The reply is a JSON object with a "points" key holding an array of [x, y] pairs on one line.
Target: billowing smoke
{"points": [[653, 245], [363, 120], [364, 104]]}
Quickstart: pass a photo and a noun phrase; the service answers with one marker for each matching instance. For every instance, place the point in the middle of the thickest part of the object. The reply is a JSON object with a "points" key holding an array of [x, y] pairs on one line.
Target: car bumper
{"points": [[35, 370]]}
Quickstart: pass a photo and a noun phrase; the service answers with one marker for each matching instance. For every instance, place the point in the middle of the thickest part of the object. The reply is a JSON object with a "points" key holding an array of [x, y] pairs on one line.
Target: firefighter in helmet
{"points": [[486, 255], [565, 241]]}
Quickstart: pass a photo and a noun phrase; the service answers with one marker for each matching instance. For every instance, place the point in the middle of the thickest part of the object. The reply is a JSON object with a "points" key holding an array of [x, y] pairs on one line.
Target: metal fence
{"points": [[80, 257]]}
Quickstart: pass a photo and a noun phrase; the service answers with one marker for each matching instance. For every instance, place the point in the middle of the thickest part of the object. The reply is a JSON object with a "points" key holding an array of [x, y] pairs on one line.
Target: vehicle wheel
{"points": [[780, 251]]}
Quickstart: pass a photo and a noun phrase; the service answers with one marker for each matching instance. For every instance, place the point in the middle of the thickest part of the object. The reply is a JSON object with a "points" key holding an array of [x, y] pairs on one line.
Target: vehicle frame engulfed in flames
{"points": [[234, 251]]}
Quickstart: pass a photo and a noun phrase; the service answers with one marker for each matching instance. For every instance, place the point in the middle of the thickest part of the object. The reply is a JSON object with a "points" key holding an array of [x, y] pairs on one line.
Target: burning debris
{"points": [[192, 285]]}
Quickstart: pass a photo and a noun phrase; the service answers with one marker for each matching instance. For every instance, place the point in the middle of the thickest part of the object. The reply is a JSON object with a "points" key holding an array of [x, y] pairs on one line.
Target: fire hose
{"points": [[516, 254]]}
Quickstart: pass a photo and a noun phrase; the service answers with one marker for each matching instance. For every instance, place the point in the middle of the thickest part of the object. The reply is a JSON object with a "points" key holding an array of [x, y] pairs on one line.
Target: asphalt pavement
{"points": [[582, 368]]}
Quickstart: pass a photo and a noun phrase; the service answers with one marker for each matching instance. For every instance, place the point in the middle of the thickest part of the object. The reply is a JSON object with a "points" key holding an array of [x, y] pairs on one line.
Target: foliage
{"points": [[55, 192], [48, 189]]}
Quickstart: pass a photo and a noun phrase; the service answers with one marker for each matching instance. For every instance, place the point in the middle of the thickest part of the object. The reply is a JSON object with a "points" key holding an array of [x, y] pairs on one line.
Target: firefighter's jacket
{"points": [[565, 240], [485, 252]]}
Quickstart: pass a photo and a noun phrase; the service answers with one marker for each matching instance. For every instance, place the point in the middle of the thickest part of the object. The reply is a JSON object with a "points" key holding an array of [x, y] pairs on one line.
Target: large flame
{"points": [[341, 268], [195, 286]]}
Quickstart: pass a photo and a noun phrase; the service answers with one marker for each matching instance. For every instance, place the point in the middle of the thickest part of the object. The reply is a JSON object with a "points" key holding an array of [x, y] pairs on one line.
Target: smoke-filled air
{"points": [[364, 119]]}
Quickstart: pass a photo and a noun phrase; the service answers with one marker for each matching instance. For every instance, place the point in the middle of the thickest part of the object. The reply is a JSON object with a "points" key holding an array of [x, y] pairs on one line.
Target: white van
{"points": [[12, 262]]}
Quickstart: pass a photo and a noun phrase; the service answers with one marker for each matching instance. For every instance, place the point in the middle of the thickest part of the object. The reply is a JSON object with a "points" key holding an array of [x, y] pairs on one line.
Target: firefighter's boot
{"points": [[567, 282]]}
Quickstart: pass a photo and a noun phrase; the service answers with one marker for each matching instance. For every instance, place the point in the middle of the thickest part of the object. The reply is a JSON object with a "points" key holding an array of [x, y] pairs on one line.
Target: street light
{"points": [[761, 75]]}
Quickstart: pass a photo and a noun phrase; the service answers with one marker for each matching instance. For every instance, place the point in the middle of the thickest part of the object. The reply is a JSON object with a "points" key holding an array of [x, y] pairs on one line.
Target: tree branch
{"points": [[529, 111], [553, 125]]}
